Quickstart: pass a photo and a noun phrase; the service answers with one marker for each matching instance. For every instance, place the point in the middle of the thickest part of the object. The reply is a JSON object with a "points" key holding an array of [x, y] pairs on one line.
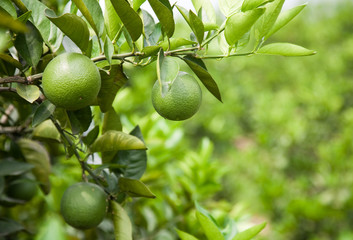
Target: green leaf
{"points": [[11, 60], [207, 6], [13, 168], [111, 20], [80, 119], [209, 227], [129, 17], [34, 153], [284, 18], [91, 136], [108, 50], [116, 140], [30, 45], [24, 18], [43, 112], [46, 130], [28, 92], [285, 49], [150, 51], [134, 161], [121, 221], [111, 121], [9, 226], [229, 7], [251, 4], [185, 236], [51, 35], [267, 20], [73, 26], [8, 22], [111, 83], [175, 43], [164, 15], [197, 26], [5, 39], [250, 232], [135, 188], [91, 10], [240, 23], [167, 71], [199, 68], [136, 4], [8, 7]]}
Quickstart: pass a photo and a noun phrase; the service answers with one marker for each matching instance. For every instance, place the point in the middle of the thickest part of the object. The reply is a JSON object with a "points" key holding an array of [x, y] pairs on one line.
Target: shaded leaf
{"points": [[134, 161], [129, 17], [285, 49], [121, 221], [111, 83], [284, 18], [91, 136], [24, 18], [108, 50], [167, 71], [111, 20], [73, 26], [8, 22], [13, 168], [28, 92], [150, 51], [135, 188], [11, 60], [46, 130], [92, 11], [9, 226], [34, 153], [196, 26], [43, 112], [185, 236], [111, 121], [251, 4], [8, 7], [199, 68], [80, 119], [164, 15], [210, 229], [250, 232], [51, 35], [240, 23], [175, 43], [30, 45], [116, 140]]}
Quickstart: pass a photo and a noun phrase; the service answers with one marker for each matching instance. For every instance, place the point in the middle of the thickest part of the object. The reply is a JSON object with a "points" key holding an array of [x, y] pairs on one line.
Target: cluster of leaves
{"points": [[31, 34]]}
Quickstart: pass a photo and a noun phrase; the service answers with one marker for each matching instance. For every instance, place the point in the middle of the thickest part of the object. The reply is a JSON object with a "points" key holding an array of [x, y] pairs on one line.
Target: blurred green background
{"points": [[278, 149]]}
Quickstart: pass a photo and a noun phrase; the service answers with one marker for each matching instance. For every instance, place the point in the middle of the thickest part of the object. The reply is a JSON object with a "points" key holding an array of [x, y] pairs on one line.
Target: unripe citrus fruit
{"points": [[182, 100], [22, 189], [71, 81], [83, 205]]}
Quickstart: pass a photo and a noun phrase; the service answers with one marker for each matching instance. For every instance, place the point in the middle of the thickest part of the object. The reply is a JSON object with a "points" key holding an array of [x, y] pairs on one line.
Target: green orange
{"points": [[71, 81], [182, 99], [84, 205]]}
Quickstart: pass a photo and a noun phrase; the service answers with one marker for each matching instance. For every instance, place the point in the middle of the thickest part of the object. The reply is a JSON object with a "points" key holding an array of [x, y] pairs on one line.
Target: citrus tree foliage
{"points": [[114, 36]]}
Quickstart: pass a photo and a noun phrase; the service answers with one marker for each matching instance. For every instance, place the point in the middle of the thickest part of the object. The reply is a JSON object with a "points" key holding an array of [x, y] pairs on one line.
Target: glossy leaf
{"points": [[43, 112], [197, 26], [111, 20], [209, 227], [185, 236], [73, 26], [8, 22], [51, 35], [135, 188], [207, 6], [8, 7], [199, 68], [229, 7], [108, 50], [251, 4], [164, 15], [268, 19], [240, 23], [46, 130], [116, 140], [111, 83], [285, 49], [91, 10], [28, 92], [175, 43], [284, 18], [134, 161], [13, 168], [80, 119], [111, 121], [121, 221], [167, 71], [34, 153], [129, 17], [30, 45], [9, 226], [91, 136], [250, 233]]}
